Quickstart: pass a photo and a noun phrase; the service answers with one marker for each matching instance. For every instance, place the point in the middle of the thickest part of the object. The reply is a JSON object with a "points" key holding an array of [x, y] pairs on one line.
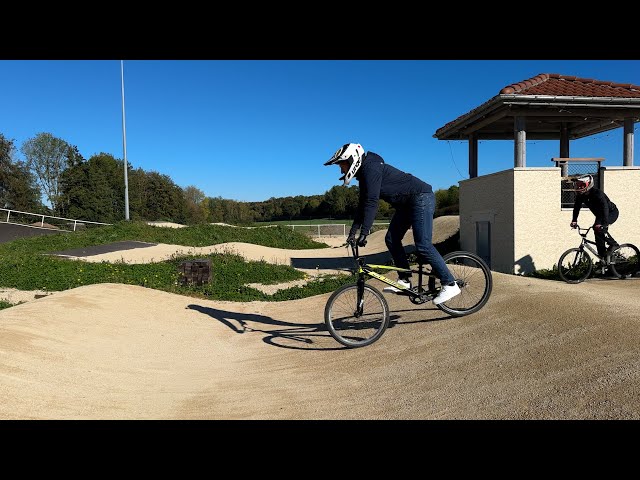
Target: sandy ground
{"points": [[539, 349]]}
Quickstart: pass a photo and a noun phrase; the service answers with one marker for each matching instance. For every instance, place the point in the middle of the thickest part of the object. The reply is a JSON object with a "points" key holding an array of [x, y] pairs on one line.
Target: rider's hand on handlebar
{"points": [[573, 224], [351, 239], [362, 240]]}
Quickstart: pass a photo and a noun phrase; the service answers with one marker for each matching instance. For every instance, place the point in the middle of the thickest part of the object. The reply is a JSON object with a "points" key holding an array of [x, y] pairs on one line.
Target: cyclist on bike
{"points": [[414, 202], [605, 211]]}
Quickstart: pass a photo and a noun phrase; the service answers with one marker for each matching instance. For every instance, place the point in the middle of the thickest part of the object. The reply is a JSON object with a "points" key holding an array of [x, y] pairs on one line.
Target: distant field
{"points": [[321, 221], [323, 226]]}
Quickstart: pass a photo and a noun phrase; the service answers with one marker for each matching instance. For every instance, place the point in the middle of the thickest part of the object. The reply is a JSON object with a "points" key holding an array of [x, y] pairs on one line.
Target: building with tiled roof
{"points": [[518, 219], [549, 102]]}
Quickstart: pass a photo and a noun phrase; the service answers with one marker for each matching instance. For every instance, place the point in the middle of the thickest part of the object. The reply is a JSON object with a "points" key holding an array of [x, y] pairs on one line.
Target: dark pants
{"points": [[602, 236], [416, 212]]}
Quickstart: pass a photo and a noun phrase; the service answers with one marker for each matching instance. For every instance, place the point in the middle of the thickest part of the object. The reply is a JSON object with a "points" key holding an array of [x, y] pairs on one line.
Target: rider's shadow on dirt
{"points": [[289, 335]]}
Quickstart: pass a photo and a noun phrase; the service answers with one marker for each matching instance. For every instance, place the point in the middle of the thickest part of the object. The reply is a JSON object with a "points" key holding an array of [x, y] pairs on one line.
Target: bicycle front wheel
{"points": [[473, 276], [624, 260], [575, 265], [355, 325]]}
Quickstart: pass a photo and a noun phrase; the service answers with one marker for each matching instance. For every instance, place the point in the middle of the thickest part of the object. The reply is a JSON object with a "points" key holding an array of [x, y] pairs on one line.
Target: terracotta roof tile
{"points": [[557, 85], [554, 84]]}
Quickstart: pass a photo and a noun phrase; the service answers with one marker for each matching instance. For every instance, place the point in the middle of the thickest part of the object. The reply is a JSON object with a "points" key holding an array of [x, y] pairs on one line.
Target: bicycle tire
{"points": [[579, 267], [350, 330], [474, 278], [624, 260]]}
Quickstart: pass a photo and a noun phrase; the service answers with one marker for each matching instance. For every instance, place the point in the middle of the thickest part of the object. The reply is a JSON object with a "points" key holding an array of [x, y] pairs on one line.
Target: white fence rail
{"points": [[328, 229], [57, 222]]}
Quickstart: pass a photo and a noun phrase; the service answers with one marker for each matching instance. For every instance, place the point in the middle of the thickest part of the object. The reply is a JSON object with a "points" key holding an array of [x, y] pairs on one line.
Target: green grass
{"points": [[4, 304], [545, 274], [24, 265]]}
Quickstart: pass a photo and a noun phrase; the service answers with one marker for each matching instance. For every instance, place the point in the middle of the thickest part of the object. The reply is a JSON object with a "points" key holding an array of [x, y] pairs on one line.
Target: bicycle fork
{"points": [[360, 298]]}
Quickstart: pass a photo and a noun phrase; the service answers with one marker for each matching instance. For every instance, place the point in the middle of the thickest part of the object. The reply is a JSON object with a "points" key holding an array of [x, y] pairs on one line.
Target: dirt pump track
{"points": [[539, 349]]}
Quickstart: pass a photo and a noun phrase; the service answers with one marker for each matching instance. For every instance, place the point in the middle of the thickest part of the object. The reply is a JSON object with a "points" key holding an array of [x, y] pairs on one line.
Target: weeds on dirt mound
{"points": [[26, 264], [546, 274], [192, 236], [4, 304]]}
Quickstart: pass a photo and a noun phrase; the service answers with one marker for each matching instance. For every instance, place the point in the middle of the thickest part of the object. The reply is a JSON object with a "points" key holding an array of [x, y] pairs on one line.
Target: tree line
{"points": [[55, 179]]}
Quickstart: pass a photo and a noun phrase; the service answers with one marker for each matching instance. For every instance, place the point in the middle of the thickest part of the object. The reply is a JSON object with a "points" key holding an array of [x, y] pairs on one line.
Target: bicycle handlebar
{"points": [[586, 230], [354, 249]]}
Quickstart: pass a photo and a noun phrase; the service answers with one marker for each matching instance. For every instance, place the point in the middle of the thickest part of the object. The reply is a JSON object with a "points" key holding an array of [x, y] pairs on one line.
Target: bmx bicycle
{"points": [[575, 265], [357, 314]]}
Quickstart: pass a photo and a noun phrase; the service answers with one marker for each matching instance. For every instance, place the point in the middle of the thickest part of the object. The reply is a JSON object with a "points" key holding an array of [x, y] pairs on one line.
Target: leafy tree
{"points": [[138, 192], [337, 200], [47, 157], [18, 189], [385, 210], [291, 207], [312, 206], [164, 200], [93, 190], [196, 204], [273, 209], [447, 201], [216, 209]]}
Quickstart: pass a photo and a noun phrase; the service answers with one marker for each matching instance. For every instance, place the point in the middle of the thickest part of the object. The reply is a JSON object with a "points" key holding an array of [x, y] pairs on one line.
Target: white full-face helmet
{"points": [[353, 153], [584, 183]]}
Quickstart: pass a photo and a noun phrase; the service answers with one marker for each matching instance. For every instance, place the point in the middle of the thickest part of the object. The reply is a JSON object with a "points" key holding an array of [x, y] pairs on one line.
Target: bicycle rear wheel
{"points": [[473, 276], [575, 265], [624, 260], [353, 326]]}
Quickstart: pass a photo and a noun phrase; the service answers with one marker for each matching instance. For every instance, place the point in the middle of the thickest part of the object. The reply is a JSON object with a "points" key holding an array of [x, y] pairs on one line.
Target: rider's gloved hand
{"points": [[573, 224], [362, 240], [351, 239], [598, 228]]}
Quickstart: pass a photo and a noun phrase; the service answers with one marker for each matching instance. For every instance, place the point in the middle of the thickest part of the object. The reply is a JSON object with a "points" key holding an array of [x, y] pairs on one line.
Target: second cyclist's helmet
{"points": [[349, 152], [584, 183]]}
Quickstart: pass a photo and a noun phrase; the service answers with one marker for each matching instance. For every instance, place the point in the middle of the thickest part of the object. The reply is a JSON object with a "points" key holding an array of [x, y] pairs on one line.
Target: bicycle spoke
{"points": [[472, 287], [356, 330], [473, 278], [574, 266], [624, 260]]}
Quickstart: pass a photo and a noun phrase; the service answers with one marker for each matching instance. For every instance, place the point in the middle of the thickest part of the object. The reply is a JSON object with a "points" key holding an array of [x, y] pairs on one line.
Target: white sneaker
{"points": [[447, 293], [405, 283]]}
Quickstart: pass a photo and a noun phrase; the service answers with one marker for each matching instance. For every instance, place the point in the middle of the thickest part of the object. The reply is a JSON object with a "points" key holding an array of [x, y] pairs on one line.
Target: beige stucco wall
{"points": [[622, 186], [489, 198], [541, 228], [529, 229]]}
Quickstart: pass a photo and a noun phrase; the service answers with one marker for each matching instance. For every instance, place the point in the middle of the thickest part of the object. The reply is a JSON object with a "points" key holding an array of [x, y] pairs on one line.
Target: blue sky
{"points": [[249, 130]]}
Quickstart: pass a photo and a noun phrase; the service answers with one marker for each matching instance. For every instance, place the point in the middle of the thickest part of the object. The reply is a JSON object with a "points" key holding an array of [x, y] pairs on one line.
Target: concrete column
{"points": [[627, 150], [520, 140], [473, 155], [564, 141]]}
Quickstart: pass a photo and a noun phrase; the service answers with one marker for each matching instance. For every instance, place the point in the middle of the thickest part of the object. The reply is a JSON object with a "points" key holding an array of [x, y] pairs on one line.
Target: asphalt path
{"points": [[105, 248], [12, 231]]}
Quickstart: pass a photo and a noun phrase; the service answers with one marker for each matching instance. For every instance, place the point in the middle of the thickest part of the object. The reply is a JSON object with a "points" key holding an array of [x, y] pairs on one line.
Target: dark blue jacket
{"points": [[379, 180]]}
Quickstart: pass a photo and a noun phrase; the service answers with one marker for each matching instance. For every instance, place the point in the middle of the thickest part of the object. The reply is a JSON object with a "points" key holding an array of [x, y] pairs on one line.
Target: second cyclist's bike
{"points": [[357, 314], [576, 265]]}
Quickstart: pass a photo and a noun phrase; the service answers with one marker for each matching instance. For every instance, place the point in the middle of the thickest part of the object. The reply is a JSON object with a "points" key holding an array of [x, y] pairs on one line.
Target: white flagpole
{"points": [[124, 146]]}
